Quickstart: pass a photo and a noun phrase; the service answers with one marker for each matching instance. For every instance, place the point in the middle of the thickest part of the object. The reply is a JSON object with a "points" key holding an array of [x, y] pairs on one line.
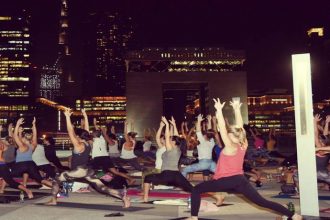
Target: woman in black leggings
{"points": [[79, 170], [26, 145], [229, 174], [6, 175], [170, 174]]}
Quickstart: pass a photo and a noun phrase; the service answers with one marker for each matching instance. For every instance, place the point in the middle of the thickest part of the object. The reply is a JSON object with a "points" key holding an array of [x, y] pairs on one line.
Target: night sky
{"points": [[269, 31]]}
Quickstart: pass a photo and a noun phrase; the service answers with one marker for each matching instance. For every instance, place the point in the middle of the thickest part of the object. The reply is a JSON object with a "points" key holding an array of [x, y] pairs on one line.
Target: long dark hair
{"points": [[83, 134]]}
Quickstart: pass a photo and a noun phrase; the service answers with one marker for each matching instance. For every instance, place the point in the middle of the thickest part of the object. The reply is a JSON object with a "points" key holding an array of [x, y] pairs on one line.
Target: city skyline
{"points": [[268, 33]]}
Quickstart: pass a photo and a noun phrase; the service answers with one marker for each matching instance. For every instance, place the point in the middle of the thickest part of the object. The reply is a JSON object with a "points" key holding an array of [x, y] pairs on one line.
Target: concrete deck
{"points": [[86, 206]]}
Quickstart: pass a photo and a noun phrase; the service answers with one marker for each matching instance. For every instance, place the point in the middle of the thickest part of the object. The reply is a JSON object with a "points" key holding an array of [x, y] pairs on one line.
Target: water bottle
{"points": [[21, 197], [65, 189], [189, 203]]}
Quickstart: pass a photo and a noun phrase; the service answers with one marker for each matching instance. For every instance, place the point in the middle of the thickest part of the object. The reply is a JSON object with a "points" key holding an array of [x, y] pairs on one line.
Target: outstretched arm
{"points": [[86, 123], [221, 122], [96, 126], [175, 129], [216, 132], [198, 123], [183, 132], [16, 135], [34, 141], [106, 136], [237, 112], [209, 122], [78, 147], [167, 134], [126, 131], [10, 130], [158, 134]]}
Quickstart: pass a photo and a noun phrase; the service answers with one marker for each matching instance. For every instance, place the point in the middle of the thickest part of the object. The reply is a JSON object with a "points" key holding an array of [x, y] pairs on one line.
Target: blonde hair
{"points": [[238, 133]]}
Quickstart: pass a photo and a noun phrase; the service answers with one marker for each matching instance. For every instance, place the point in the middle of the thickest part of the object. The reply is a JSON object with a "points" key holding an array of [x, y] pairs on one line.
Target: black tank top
{"points": [[80, 159]]}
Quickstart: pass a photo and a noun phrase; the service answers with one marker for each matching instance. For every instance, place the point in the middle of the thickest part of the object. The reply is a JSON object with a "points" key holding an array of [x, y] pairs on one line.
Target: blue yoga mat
{"points": [[286, 196]]}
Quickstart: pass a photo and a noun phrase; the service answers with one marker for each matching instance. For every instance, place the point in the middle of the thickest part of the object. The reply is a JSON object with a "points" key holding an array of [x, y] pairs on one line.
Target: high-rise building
{"points": [[16, 90], [50, 82], [106, 41]]}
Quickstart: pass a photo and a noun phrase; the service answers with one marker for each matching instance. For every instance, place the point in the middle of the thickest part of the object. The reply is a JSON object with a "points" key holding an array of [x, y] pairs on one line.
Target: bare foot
{"points": [[51, 202], [1, 192], [131, 181], [127, 202], [297, 217], [219, 200], [29, 194]]}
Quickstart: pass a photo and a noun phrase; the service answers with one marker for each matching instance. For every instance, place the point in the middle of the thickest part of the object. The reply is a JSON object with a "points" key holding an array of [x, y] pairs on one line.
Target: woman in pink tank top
{"points": [[229, 172]]}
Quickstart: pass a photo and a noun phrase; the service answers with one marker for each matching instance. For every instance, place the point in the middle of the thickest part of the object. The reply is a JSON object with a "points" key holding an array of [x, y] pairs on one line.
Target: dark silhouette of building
{"points": [[106, 41]]}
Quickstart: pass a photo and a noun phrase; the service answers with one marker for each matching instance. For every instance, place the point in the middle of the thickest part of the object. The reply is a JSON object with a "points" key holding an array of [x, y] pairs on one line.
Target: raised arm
{"points": [[126, 131], [221, 122], [198, 123], [159, 133], [78, 147], [209, 122], [34, 141], [167, 134], [17, 137], [106, 136], [326, 126], [86, 122], [175, 129], [10, 130], [96, 126], [216, 132], [113, 129], [237, 112]]}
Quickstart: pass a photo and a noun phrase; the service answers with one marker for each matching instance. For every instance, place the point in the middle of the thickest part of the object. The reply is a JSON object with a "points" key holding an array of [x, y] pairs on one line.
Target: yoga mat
{"points": [[166, 194], [285, 196], [97, 207], [198, 218], [14, 195]]}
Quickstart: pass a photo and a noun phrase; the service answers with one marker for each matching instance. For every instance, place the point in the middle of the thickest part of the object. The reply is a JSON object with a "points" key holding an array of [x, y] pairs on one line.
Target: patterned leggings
{"points": [[85, 175]]}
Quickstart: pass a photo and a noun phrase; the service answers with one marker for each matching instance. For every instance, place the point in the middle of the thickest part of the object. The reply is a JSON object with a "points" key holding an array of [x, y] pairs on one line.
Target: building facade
{"points": [[16, 88], [182, 82], [271, 111]]}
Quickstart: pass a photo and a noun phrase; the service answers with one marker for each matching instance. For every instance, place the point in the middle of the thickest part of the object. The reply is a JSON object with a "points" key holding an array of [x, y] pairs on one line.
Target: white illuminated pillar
{"points": [[303, 106]]}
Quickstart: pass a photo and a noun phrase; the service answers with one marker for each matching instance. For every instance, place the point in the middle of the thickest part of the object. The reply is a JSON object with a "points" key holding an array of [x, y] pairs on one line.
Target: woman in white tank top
{"points": [[127, 152]]}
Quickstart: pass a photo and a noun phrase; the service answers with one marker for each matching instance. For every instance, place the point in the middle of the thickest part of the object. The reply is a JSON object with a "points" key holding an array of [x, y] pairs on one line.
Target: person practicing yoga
{"points": [[26, 146], [170, 174], [229, 172], [79, 169], [6, 175], [205, 148]]}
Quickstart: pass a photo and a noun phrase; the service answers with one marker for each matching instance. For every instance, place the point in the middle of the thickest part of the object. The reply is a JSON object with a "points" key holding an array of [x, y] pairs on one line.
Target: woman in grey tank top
{"points": [[80, 171], [170, 174]]}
